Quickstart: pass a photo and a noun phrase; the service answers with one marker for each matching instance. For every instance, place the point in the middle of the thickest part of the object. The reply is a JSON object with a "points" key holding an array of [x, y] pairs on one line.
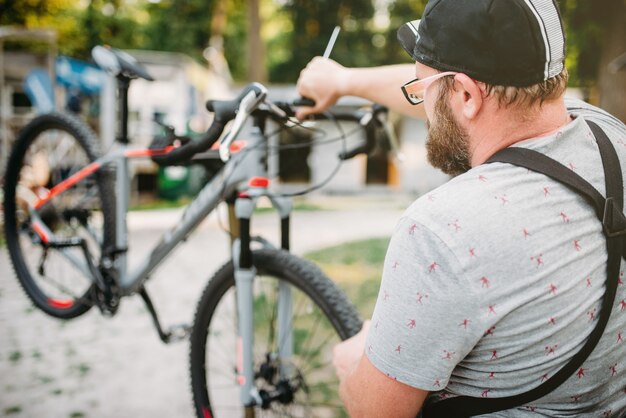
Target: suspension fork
{"points": [[244, 281], [245, 273], [285, 298]]}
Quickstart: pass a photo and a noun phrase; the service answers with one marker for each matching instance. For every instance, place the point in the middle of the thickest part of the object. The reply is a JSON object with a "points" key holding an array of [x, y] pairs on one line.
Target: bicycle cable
{"points": [[342, 137], [323, 183]]}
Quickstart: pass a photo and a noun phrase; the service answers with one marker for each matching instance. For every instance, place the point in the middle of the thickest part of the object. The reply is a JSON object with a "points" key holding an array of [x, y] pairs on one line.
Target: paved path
{"points": [[117, 367]]}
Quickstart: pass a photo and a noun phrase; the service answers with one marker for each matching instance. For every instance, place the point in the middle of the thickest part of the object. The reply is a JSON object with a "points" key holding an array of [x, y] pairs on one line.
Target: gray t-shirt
{"points": [[493, 281]]}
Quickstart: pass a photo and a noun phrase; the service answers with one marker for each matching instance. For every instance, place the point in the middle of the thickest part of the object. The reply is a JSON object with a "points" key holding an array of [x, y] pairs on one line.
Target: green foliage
{"points": [[15, 409], [400, 12], [294, 31], [108, 22], [312, 25], [23, 12], [178, 26], [585, 26], [15, 356], [357, 268], [371, 252], [235, 38]]}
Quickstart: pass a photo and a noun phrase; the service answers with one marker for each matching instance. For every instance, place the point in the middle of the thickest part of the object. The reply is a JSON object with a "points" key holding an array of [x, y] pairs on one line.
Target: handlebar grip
{"points": [[361, 149], [365, 147], [304, 101], [186, 152], [226, 110], [371, 125]]}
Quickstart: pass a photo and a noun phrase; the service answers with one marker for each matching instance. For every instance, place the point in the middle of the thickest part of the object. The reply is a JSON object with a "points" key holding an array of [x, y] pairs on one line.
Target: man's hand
{"points": [[346, 355], [323, 81]]}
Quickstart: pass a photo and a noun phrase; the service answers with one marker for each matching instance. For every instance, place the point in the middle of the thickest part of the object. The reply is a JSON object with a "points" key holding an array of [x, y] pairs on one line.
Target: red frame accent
{"points": [[41, 232], [92, 168], [60, 304], [258, 182], [206, 412], [67, 183], [147, 152], [235, 147]]}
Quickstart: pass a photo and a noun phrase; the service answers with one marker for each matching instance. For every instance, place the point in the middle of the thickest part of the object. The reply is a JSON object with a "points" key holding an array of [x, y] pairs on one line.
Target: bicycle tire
{"points": [[313, 289], [47, 150]]}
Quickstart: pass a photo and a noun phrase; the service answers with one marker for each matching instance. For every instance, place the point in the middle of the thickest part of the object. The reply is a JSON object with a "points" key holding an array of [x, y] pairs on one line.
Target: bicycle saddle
{"points": [[119, 63]]}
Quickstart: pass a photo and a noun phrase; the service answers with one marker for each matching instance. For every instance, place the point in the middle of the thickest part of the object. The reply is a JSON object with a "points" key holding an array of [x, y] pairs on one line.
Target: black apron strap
{"points": [[609, 212]]}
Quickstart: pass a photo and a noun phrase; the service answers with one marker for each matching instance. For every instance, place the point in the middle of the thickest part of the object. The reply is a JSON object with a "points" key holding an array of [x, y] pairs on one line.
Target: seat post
{"points": [[123, 84]]}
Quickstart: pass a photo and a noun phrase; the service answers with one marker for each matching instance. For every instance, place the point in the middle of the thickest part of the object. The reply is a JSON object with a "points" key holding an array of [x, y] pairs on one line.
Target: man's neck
{"points": [[501, 127]]}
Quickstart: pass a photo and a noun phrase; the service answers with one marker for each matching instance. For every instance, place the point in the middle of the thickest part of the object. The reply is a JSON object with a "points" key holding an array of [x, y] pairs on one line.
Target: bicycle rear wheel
{"points": [[321, 317], [50, 149]]}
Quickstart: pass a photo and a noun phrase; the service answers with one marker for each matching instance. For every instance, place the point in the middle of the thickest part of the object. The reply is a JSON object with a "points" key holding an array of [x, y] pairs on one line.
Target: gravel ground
{"points": [[117, 367]]}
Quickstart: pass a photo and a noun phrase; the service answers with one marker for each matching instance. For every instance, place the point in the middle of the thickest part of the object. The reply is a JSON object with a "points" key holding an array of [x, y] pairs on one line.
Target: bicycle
{"points": [[65, 225]]}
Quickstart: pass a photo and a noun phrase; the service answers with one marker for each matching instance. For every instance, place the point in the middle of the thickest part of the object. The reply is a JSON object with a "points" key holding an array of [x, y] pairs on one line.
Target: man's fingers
{"points": [[303, 112]]}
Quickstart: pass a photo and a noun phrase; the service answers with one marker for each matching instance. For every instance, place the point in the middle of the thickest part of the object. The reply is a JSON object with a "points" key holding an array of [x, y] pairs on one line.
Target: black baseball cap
{"points": [[500, 42]]}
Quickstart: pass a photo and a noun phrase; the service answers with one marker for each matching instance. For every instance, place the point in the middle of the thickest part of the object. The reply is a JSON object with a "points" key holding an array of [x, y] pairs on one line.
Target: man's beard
{"points": [[447, 144]]}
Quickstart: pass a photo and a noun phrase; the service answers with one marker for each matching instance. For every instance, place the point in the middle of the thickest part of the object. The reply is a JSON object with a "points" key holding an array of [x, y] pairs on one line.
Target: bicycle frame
{"points": [[230, 179], [234, 182]]}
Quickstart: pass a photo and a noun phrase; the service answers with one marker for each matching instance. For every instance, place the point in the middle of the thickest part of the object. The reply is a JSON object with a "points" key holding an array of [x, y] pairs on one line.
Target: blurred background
{"points": [[272, 40], [201, 49], [208, 49]]}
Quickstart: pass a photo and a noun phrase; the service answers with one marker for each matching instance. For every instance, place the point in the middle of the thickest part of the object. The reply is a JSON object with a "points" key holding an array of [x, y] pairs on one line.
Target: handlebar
{"points": [[253, 100], [224, 111]]}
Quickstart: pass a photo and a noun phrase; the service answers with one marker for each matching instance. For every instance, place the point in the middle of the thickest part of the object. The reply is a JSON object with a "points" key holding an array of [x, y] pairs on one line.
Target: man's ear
{"points": [[470, 95]]}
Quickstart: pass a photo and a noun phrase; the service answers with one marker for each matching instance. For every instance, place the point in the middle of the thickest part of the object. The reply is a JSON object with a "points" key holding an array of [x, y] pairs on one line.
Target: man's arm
{"points": [[366, 391], [325, 81]]}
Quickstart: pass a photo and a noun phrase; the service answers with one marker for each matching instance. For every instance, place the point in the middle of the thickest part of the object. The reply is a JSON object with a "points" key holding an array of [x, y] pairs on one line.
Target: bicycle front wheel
{"points": [[321, 316], [42, 241]]}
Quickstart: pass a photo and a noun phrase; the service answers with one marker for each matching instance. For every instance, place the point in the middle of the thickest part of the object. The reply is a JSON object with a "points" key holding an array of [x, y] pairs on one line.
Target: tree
{"points": [[596, 34], [281, 36], [57, 14], [255, 48], [612, 87], [110, 22], [312, 24], [178, 26], [400, 11]]}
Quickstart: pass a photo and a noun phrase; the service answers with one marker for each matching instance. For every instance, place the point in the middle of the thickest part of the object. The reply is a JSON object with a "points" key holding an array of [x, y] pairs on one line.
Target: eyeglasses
{"points": [[415, 90]]}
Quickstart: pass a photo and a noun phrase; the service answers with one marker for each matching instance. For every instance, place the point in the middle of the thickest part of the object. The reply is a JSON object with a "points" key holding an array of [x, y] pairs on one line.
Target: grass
{"points": [[161, 204], [356, 267], [45, 379], [15, 356], [13, 410], [297, 206], [82, 369], [184, 201]]}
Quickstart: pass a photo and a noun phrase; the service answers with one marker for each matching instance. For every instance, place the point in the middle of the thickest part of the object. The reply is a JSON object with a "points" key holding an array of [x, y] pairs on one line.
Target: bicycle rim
{"points": [[321, 318], [50, 150]]}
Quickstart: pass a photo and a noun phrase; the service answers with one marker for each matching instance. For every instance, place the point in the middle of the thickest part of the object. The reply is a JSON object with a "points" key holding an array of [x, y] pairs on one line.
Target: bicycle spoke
{"points": [[301, 385], [272, 308], [60, 287], [310, 363]]}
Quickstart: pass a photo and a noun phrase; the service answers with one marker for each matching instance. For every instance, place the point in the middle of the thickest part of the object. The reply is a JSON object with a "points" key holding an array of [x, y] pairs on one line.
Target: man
{"points": [[493, 281]]}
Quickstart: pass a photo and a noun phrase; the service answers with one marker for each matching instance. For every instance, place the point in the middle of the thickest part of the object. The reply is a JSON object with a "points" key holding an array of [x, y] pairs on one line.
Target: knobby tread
{"points": [[89, 142], [299, 272]]}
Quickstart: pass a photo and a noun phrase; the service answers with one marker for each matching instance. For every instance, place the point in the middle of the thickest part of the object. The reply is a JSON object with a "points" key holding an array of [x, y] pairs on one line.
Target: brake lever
{"points": [[368, 145], [248, 104], [276, 110], [169, 129], [382, 118]]}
